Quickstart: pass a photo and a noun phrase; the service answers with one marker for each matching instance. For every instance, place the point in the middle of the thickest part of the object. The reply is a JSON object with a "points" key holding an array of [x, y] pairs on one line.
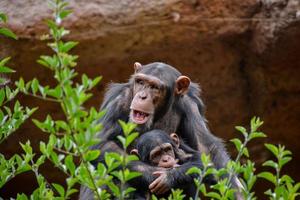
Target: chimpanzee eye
{"points": [[154, 87], [168, 148], [155, 156], [139, 81]]}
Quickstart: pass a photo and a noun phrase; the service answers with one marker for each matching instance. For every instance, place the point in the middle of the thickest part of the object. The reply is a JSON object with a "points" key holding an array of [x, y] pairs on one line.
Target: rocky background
{"points": [[245, 55]]}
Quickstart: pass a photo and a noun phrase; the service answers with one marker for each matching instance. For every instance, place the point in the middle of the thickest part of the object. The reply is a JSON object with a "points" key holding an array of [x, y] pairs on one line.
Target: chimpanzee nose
{"points": [[143, 95], [165, 159]]}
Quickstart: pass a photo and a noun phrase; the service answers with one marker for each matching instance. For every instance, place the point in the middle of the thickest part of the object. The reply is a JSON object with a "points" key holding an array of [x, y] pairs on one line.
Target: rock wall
{"points": [[244, 54]]}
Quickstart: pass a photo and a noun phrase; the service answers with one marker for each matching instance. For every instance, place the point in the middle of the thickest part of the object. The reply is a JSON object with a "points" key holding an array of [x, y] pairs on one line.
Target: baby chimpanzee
{"points": [[172, 158]]}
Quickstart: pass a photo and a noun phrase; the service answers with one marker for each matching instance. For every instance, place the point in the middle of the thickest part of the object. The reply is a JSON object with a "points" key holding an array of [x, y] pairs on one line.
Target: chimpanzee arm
{"points": [[199, 136], [142, 182], [116, 105], [178, 177]]}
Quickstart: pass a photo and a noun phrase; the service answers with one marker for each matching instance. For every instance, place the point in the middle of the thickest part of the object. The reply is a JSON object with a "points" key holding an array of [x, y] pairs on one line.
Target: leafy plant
{"points": [[70, 139], [285, 187], [10, 119], [68, 147]]}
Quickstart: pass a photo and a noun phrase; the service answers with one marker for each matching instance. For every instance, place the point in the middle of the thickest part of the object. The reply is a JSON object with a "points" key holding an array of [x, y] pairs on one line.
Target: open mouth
{"points": [[139, 117]]}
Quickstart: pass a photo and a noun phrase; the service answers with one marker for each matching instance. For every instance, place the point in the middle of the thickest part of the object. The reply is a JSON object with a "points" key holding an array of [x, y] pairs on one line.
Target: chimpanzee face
{"points": [[152, 87], [149, 94], [163, 156], [158, 148]]}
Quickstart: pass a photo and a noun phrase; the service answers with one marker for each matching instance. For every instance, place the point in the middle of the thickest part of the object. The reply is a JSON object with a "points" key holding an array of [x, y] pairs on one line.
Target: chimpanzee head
{"points": [[154, 88], [157, 148]]}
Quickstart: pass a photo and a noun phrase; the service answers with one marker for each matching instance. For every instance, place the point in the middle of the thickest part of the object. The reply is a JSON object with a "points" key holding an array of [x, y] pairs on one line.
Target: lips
{"points": [[139, 117]]}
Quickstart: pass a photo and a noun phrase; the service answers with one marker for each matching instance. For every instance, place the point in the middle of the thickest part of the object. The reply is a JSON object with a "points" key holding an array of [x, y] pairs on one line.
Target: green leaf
{"points": [[129, 190], [3, 17], [272, 148], [41, 160], [242, 130], [20, 84], [194, 170], [286, 178], [130, 138], [270, 163], [246, 152], [2, 96], [70, 164], [68, 46], [114, 188], [284, 160], [34, 85], [59, 189], [213, 195], [91, 155], [95, 81], [4, 61], [255, 123], [22, 197], [132, 175], [8, 33], [268, 176], [127, 127], [237, 143], [257, 135], [64, 13], [122, 140], [4, 69]]}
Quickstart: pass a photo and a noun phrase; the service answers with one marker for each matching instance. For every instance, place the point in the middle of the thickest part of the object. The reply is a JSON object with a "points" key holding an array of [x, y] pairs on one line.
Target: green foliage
{"points": [[11, 118], [70, 138], [68, 146], [285, 186]]}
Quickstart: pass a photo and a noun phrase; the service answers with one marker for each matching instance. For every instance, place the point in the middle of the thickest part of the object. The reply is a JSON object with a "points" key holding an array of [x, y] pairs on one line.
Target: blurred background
{"points": [[244, 54]]}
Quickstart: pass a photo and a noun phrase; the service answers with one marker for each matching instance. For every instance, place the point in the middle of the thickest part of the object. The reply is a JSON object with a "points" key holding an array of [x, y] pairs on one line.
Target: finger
{"points": [[159, 187], [155, 188], [154, 183], [162, 189]]}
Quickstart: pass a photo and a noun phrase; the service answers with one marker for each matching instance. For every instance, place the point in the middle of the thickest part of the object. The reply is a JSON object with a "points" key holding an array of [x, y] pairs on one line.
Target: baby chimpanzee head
{"points": [[158, 148]]}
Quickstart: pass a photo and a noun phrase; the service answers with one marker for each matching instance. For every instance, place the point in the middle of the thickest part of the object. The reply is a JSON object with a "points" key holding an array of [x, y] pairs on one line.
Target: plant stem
{"points": [[43, 98], [200, 179]]}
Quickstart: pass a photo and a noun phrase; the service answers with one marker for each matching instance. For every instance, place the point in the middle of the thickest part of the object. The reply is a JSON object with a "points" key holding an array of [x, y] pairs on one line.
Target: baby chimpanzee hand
{"points": [[161, 184]]}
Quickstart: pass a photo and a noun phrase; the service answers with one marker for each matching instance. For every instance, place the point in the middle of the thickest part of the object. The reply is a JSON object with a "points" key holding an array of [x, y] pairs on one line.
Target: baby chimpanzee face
{"points": [[158, 148], [163, 156]]}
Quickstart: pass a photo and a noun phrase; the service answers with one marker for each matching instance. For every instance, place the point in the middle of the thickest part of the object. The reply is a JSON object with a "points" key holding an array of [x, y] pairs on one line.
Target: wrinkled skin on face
{"points": [[150, 95], [163, 156]]}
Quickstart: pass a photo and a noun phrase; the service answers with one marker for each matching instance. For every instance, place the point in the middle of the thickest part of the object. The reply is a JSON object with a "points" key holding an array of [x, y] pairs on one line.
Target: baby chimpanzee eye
{"points": [[168, 148]]}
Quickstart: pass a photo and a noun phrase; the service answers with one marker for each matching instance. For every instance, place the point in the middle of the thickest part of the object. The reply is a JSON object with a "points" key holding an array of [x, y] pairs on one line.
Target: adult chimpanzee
{"points": [[158, 96], [159, 149]]}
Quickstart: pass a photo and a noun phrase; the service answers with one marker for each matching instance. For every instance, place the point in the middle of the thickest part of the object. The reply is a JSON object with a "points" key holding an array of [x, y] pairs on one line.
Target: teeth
{"points": [[140, 116]]}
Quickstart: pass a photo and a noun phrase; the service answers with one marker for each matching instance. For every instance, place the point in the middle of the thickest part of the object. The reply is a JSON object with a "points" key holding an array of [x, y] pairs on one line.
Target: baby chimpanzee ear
{"points": [[175, 138], [137, 67], [135, 152]]}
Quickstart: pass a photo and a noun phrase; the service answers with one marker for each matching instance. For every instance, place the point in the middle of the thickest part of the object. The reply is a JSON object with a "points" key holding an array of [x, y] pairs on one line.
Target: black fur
{"points": [[183, 115], [187, 158]]}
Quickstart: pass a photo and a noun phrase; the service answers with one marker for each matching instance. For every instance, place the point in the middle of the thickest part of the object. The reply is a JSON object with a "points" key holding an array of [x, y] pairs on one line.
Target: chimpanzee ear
{"points": [[175, 138], [135, 152], [137, 67], [182, 85]]}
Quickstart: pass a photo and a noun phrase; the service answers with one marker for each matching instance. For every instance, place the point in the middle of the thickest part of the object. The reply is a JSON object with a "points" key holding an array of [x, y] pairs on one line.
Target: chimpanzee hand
{"points": [[161, 184]]}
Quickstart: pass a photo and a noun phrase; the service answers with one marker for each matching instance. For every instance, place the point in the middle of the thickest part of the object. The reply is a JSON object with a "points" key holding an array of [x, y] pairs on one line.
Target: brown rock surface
{"points": [[245, 55]]}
